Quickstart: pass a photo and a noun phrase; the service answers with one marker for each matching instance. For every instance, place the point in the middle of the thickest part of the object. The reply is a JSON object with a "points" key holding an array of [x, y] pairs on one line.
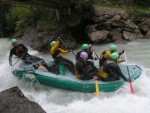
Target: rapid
{"points": [[54, 100]]}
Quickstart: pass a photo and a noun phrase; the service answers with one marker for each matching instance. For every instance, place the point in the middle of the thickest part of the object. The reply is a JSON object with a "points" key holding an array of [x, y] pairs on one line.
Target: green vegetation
{"points": [[138, 11], [14, 18], [132, 6], [43, 19], [19, 14], [19, 17]]}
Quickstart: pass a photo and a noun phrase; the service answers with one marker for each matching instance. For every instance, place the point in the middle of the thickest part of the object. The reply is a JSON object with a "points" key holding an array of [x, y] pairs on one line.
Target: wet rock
{"points": [[68, 42], [114, 25], [130, 25], [102, 15], [104, 26], [90, 28], [148, 35], [116, 18], [98, 35], [129, 36], [31, 39], [116, 34], [118, 24], [124, 15], [13, 101], [145, 25]]}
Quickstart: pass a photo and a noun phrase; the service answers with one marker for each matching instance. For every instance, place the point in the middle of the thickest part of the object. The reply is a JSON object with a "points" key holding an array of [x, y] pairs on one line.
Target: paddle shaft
{"points": [[66, 46], [16, 62], [97, 89], [96, 54], [96, 82], [131, 88]]}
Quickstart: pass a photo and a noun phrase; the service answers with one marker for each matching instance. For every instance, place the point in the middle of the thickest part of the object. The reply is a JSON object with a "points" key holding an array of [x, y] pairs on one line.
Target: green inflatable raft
{"points": [[70, 82]]}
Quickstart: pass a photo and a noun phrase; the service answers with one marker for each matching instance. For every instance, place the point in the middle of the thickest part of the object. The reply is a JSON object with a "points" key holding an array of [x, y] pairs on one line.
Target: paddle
{"points": [[96, 54], [97, 89], [16, 62], [66, 45], [131, 88], [96, 82]]}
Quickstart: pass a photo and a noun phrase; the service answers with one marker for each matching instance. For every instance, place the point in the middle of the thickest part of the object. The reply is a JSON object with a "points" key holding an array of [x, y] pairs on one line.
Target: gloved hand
{"points": [[69, 50], [10, 63], [95, 77], [123, 60], [90, 45], [129, 80], [58, 37], [95, 58], [123, 51]]}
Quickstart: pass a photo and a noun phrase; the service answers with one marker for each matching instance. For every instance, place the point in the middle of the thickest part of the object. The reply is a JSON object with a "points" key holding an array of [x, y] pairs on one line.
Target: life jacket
{"points": [[104, 70], [56, 54], [104, 56], [54, 51]]}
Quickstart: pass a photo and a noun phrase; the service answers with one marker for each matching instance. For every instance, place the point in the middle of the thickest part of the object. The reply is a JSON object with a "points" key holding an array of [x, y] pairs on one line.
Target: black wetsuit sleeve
{"points": [[78, 55], [120, 53], [117, 69], [90, 54], [10, 56], [11, 52]]}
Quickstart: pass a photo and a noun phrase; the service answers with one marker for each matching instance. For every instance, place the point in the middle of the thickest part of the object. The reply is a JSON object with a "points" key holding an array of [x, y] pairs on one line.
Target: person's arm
{"points": [[121, 52], [117, 69], [62, 51], [120, 60], [78, 55], [90, 53], [10, 56]]}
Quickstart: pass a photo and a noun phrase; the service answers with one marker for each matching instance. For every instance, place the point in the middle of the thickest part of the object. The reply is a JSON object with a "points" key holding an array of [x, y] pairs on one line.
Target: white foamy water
{"points": [[55, 100]]}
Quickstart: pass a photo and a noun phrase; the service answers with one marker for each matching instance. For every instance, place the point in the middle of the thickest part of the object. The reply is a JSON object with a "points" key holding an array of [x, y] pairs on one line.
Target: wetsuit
{"points": [[22, 52], [58, 59], [111, 71], [85, 70]]}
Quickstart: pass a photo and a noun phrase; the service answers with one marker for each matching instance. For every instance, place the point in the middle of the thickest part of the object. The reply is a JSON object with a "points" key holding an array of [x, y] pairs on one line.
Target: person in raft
{"points": [[21, 52], [84, 69], [107, 54], [88, 49], [56, 53], [110, 70]]}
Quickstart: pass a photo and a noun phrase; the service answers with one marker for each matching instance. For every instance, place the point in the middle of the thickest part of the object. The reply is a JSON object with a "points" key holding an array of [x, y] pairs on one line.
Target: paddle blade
{"points": [[131, 88], [97, 89]]}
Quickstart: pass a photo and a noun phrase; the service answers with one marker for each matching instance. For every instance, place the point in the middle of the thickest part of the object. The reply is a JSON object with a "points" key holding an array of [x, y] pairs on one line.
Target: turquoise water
{"points": [[55, 100]]}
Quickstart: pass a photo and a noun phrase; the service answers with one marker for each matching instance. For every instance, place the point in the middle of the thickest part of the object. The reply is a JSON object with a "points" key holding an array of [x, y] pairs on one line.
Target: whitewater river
{"points": [[55, 100]]}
